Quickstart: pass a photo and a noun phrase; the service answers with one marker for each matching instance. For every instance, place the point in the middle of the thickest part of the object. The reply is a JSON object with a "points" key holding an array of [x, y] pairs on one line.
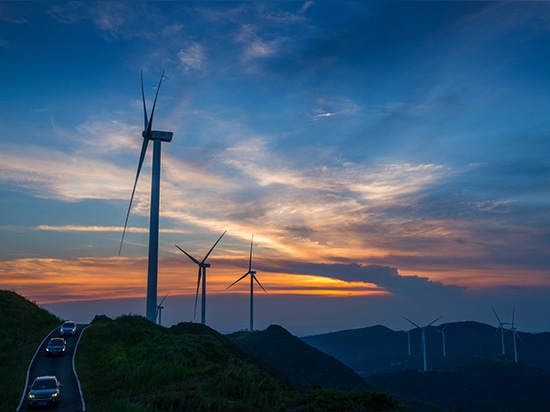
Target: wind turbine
{"points": [[514, 334], [202, 275], [501, 328], [253, 278], [442, 331], [157, 137], [423, 332], [159, 309]]}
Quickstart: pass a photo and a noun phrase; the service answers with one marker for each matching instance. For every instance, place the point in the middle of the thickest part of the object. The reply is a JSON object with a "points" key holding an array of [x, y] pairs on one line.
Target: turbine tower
{"points": [[442, 331], [501, 328], [157, 137], [202, 275], [159, 309], [253, 278], [423, 333]]}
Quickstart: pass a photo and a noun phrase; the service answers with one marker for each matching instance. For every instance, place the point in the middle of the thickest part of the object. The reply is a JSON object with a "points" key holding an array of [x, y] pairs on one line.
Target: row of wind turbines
{"points": [[442, 331], [154, 310]]}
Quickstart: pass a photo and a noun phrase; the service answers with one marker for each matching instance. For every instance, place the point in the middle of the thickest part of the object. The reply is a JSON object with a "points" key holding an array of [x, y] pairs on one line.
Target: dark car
{"points": [[68, 328], [44, 392], [56, 347]]}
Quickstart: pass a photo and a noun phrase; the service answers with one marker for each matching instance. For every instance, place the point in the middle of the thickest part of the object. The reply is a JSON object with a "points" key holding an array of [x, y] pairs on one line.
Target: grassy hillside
{"points": [[303, 365], [131, 364], [23, 326]]}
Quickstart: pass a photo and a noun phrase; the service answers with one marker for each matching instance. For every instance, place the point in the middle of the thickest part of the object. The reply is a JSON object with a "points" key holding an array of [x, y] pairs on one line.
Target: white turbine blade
{"points": [[258, 282], [197, 293], [145, 119], [499, 321], [188, 255], [212, 248], [432, 322], [410, 321], [140, 164], [162, 301], [238, 280], [250, 260], [150, 123]]}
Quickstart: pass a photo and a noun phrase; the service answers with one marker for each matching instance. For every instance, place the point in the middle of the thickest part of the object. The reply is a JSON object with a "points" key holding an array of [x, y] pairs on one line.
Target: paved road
{"points": [[62, 367]]}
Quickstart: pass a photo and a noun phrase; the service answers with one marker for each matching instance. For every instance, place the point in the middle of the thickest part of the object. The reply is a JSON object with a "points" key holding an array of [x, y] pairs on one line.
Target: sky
{"points": [[389, 158]]}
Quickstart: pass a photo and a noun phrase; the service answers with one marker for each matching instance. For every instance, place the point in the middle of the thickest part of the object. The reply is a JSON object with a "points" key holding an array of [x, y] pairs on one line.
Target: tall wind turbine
{"points": [[423, 332], [157, 137], [501, 328], [253, 278], [442, 331], [202, 275], [159, 309]]}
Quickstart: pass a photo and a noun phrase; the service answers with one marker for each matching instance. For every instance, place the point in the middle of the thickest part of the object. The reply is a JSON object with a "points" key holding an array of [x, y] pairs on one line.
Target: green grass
{"points": [[131, 364], [23, 326]]}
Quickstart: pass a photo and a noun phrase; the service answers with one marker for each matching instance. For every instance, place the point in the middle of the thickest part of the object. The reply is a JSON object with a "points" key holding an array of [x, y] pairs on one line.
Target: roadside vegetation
{"points": [[131, 364], [23, 326]]}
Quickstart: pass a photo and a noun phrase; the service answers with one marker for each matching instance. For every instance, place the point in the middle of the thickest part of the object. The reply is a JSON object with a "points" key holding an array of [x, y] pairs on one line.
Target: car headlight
{"points": [[31, 395], [55, 395]]}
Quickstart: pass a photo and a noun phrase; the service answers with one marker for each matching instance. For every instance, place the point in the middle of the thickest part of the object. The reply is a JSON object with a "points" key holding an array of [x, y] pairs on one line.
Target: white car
{"points": [[68, 328]]}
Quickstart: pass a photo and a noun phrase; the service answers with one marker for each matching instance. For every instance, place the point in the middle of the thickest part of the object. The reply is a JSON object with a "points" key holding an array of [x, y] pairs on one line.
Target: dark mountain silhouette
{"points": [[302, 364], [378, 349], [487, 387]]}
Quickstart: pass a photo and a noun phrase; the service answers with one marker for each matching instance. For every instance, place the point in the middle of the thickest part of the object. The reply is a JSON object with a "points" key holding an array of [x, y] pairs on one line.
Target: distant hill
{"points": [[302, 364], [483, 387], [23, 325], [473, 376], [378, 349]]}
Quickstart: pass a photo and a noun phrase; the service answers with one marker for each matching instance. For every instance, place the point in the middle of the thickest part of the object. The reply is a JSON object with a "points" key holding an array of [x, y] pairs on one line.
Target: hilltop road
{"points": [[62, 367]]}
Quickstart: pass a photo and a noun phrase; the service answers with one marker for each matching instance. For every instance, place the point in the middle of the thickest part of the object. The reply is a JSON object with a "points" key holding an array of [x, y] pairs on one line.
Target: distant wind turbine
{"points": [[157, 137], [514, 335], [253, 278], [159, 309], [423, 332], [442, 331], [202, 275], [501, 328]]}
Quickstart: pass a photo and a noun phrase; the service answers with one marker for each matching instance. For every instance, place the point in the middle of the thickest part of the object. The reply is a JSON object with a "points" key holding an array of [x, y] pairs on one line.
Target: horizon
{"points": [[389, 159]]}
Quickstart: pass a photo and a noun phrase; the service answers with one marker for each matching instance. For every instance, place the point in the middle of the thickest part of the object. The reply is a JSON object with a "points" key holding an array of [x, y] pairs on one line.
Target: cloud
{"points": [[384, 277], [192, 57]]}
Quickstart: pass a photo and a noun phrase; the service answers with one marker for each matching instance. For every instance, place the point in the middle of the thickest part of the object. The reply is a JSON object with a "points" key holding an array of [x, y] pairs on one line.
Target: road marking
{"points": [[74, 369]]}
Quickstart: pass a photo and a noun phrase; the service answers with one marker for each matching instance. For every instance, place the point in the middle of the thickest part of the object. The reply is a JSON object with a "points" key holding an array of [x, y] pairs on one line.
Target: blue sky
{"points": [[390, 158]]}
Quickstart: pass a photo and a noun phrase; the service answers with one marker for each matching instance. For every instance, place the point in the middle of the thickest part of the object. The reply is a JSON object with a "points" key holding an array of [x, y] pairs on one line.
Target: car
{"points": [[68, 328], [45, 391], [56, 347]]}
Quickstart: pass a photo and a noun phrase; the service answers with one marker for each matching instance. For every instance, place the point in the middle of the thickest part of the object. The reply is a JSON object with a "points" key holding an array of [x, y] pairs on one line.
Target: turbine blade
{"points": [[499, 321], [513, 313], [433, 321], [258, 282], [162, 301], [410, 321], [145, 120], [150, 124], [238, 280], [212, 248], [197, 293], [140, 164], [189, 256], [250, 260]]}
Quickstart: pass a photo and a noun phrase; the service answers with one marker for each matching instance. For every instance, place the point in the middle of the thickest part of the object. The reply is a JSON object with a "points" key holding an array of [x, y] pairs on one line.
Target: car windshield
{"points": [[44, 384], [68, 325], [56, 342]]}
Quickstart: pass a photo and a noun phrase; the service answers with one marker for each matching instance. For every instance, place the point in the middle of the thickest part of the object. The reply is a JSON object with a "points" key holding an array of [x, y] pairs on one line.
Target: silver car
{"points": [[45, 391], [56, 347], [68, 328]]}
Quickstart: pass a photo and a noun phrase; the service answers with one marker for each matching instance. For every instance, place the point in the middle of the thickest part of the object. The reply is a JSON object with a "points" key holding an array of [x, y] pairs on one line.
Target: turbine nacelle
{"points": [[158, 135]]}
